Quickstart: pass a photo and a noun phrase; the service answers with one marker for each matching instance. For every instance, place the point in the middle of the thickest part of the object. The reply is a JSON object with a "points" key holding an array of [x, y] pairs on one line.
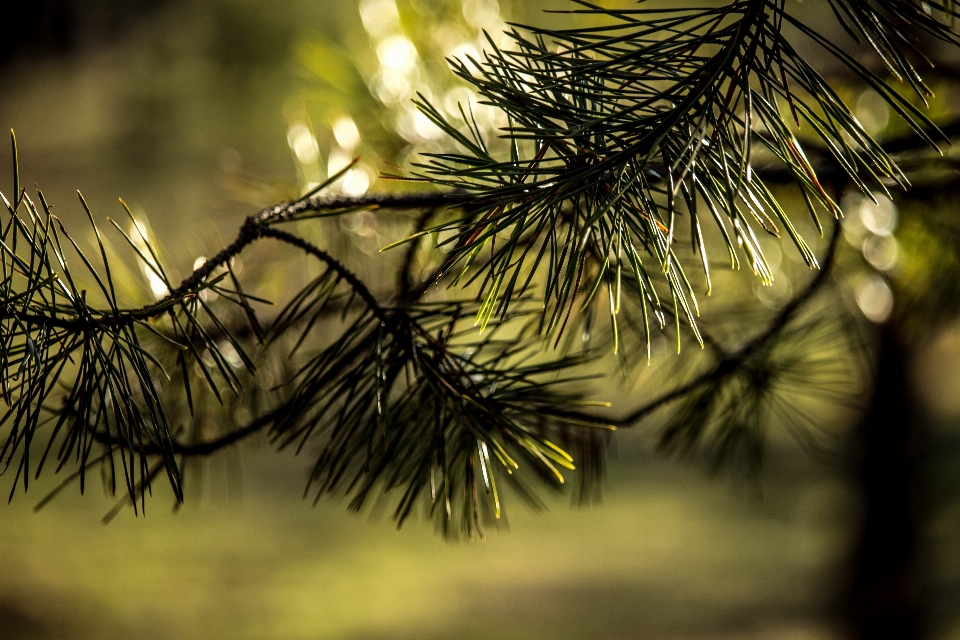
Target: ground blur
{"points": [[667, 555], [186, 111]]}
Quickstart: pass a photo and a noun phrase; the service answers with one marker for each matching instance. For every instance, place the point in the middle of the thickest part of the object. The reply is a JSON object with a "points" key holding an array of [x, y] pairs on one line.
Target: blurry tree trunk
{"points": [[884, 592]]}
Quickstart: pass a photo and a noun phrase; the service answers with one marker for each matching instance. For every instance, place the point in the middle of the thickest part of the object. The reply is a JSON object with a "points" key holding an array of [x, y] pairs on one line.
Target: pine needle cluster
{"points": [[627, 129]]}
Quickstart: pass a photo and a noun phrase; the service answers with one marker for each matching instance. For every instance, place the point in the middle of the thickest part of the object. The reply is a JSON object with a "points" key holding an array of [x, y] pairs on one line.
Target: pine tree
{"points": [[623, 139]]}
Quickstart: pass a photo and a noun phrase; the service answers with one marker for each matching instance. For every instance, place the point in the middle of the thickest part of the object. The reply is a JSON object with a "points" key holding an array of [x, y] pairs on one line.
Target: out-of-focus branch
{"points": [[731, 363]]}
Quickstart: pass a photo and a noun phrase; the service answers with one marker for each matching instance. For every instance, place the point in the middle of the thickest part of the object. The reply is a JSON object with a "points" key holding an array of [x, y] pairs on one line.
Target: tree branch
{"points": [[732, 362], [258, 226], [345, 274]]}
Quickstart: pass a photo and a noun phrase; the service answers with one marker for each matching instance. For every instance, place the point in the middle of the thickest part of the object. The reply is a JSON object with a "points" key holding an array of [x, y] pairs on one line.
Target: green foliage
{"points": [[783, 382], [415, 403], [622, 134], [403, 399], [622, 130]]}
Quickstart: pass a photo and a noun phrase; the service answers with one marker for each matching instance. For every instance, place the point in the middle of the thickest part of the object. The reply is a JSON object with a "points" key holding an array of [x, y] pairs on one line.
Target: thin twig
{"points": [[345, 274]]}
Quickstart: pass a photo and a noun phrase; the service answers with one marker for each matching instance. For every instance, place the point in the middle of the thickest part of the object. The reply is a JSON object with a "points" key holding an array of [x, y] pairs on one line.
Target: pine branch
{"points": [[730, 364], [360, 398], [332, 263], [617, 134], [630, 126]]}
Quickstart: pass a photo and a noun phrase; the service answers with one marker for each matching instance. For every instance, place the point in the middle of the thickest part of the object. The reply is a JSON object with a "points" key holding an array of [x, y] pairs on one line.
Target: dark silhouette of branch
{"points": [[731, 363], [255, 227], [728, 364], [348, 276]]}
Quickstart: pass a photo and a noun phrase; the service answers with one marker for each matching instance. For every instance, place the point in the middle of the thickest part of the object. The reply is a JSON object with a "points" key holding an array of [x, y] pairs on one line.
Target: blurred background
{"points": [[200, 113]]}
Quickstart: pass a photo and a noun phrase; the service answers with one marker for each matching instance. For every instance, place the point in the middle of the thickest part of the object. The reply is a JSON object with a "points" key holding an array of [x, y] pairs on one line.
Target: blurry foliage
{"points": [[926, 283]]}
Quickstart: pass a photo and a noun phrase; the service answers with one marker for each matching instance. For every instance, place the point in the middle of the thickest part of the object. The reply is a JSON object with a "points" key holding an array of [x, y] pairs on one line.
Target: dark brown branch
{"points": [[725, 367], [209, 447], [827, 169], [256, 227], [251, 229], [345, 274]]}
